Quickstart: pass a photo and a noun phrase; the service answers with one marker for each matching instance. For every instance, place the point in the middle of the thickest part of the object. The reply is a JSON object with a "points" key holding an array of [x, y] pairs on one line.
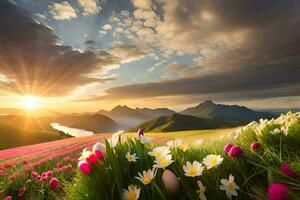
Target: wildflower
{"points": [[140, 132], [284, 168], [193, 170], [278, 191], [146, 176], [53, 183], [131, 157], [229, 186], [212, 161], [92, 159], [84, 167], [21, 191], [163, 161], [228, 147], [114, 140], [275, 131], [235, 151], [201, 190], [133, 193], [99, 150], [144, 139], [255, 146], [8, 198], [159, 151]]}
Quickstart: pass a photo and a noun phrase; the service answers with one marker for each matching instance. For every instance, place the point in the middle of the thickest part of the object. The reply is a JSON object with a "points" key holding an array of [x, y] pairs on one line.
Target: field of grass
{"points": [[188, 137], [264, 162]]}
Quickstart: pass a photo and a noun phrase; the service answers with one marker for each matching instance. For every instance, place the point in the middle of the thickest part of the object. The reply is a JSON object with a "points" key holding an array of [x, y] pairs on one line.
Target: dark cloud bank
{"points": [[264, 63]]}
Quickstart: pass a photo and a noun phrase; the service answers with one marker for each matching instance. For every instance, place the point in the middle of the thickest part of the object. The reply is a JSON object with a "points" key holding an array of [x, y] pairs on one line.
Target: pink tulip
{"points": [[228, 147], [278, 191], [84, 167], [22, 191], [99, 154], [53, 183], [255, 145], [8, 198], [140, 132], [49, 174], [236, 151], [284, 168], [92, 159]]}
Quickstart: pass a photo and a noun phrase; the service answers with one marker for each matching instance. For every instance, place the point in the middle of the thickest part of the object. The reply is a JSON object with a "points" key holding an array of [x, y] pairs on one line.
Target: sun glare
{"points": [[31, 102]]}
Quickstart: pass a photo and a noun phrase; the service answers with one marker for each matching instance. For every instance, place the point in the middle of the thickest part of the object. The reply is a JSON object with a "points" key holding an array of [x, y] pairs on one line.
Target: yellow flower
{"points": [[230, 187], [163, 161], [159, 152], [201, 190], [193, 170], [182, 147], [146, 176], [212, 161], [131, 157], [133, 193]]}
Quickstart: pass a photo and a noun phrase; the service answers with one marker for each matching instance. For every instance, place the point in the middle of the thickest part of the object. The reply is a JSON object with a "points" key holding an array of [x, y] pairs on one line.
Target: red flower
{"points": [[92, 159], [99, 154], [8, 198], [255, 145], [84, 167], [278, 191], [284, 168], [49, 174], [235, 151], [22, 191], [228, 147], [53, 183]]}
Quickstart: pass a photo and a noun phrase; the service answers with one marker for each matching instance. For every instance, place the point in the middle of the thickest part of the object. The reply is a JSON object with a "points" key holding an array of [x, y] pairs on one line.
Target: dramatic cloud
{"points": [[62, 11], [89, 6], [127, 53], [246, 49], [33, 61]]}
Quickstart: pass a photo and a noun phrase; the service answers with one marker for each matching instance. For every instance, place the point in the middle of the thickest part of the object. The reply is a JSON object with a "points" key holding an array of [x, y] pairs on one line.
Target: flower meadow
{"points": [[259, 161]]}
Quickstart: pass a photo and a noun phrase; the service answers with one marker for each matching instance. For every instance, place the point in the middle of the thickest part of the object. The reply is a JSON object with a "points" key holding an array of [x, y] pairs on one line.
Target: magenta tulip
{"points": [[99, 154], [255, 146], [53, 183], [8, 198], [228, 147], [140, 132], [278, 191], [84, 167], [235, 151], [21, 191], [92, 159], [287, 170]]}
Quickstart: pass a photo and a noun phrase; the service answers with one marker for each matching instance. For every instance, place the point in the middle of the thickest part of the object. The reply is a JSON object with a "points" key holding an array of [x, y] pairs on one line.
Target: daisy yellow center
{"points": [[230, 186], [192, 171], [131, 195], [147, 180], [164, 162], [157, 154], [213, 161], [130, 157]]}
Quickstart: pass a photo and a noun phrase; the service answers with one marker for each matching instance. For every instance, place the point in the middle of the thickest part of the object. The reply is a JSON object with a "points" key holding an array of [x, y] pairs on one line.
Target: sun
{"points": [[31, 102]]}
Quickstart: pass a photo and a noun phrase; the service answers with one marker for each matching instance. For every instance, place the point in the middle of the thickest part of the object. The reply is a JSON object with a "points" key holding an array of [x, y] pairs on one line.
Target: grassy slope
{"points": [[253, 172], [178, 122], [12, 137]]}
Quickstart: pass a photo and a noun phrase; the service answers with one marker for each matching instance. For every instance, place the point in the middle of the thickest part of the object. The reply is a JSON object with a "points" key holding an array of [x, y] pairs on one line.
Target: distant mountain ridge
{"points": [[210, 110], [128, 117], [179, 122]]}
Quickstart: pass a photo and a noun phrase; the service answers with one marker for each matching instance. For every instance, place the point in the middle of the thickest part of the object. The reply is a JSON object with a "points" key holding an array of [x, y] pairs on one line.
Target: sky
{"points": [[86, 55]]}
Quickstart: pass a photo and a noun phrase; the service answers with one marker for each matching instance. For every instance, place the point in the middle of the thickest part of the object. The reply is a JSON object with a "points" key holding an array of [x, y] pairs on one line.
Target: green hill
{"points": [[178, 122], [13, 137]]}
